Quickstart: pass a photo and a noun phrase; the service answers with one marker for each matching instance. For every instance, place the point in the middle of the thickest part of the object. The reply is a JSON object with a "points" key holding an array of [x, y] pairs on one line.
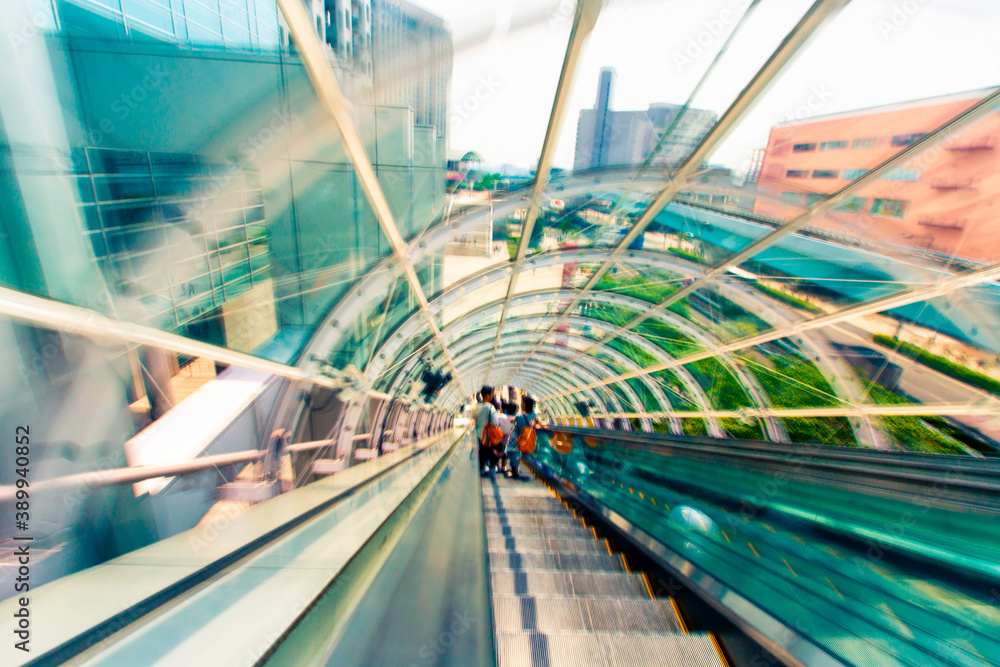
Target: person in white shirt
{"points": [[488, 456]]}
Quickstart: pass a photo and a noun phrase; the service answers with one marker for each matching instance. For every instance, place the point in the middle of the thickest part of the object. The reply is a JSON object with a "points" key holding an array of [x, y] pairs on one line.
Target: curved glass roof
{"points": [[747, 219]]}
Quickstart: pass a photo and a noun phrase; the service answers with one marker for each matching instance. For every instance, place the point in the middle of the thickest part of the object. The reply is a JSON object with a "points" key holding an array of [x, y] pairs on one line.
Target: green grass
{"points": [[667, 338], [913, 433], [694, 426], [661, 426], [633, 352], [674, 389], [616, 315], [738, 429], [649, 402], [794, 383], [733, 316], [512, 244], [789, 299], [654, 289], [939, 363], [724, 391], [826, 430], [797, 383], [686, 255]]}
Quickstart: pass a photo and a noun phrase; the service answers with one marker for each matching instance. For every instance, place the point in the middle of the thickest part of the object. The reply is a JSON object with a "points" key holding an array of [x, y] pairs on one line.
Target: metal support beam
{"points": [[48, 314], [584, 21], [817, 15], [330, 96], [916, 295]]}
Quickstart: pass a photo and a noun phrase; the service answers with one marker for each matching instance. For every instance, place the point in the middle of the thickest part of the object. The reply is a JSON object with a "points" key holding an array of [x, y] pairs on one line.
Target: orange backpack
{"points": [[526, 440], [491, 436]]}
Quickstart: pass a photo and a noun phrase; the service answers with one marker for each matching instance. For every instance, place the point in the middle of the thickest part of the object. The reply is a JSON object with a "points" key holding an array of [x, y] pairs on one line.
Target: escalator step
{"points": [[580, 584], [550, 613], [552, 544], [526, 511], [531, 519], [576, 529], [605, 650], [547, 561], [490, 500]]}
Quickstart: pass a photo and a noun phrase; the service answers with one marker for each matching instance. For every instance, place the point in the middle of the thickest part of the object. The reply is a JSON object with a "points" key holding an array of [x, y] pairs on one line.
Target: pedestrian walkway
{"points": [[562, 597]]}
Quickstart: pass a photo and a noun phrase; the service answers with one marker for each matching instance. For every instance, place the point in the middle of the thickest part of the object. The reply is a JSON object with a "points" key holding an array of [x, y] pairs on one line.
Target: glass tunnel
{"points": [[264, 264]]}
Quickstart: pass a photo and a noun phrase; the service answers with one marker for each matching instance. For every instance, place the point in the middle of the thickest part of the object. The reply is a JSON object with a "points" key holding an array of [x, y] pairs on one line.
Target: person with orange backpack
{"points": [[488, 432], [523, 438]]}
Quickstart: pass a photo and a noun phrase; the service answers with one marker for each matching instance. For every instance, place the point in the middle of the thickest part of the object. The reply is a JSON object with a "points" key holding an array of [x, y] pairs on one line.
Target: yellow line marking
{"points": [[726, 536], [583, 522], [768, 527], [649, 586], [607, 543], [753, 550], [789, 567], [630, 490], [679, 615], [625, 562], [593, 528], [718, 649], [834, 588], [652, 500]]}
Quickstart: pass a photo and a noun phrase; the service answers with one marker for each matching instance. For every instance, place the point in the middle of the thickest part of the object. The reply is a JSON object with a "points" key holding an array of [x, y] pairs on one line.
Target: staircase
{"points": [[562, 598]]}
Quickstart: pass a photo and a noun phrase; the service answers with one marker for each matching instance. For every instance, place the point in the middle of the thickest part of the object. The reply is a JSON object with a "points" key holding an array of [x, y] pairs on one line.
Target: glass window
{"points": [[852, 174], [802, 148], [791, 197], [833, 145], [826, 173], [892, 208], [151, 14], [797, 173], [103, 161], [907, 139], [909, 175], [853, 204], [867, 142], [118, 188]]}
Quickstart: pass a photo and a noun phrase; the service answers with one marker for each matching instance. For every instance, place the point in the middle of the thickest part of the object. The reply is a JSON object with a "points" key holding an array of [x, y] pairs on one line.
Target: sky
{"points": [[508, 54]]}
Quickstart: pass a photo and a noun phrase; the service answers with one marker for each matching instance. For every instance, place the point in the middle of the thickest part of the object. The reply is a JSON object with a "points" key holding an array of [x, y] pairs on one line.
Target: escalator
{"points": [[561, 597]]}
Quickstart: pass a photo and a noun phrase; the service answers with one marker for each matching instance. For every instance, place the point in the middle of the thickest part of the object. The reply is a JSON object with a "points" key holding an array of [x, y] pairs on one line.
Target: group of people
{"points": [[504, 457]]}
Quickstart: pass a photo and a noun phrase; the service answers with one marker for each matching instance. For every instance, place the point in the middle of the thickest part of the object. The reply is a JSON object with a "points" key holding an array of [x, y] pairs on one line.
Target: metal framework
{"points": [[584, 20], [916, 295], [818, 14], [545, 369], [328, 91], [948, 129], [58, 316], [517, 345]]}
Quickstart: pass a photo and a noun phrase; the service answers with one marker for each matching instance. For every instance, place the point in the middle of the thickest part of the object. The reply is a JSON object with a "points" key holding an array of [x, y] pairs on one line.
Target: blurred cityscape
{"points": [[242, 253]]}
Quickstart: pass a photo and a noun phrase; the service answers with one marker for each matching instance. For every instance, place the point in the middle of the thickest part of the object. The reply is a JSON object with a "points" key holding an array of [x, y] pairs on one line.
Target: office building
{"points": [[940, 201], [609, 138]]}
